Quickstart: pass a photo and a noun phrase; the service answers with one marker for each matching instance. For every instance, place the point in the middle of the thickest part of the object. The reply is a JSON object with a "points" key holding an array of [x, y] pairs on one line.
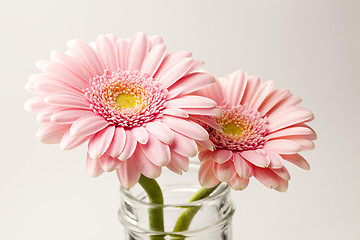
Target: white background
{"points": [[310, 47]]}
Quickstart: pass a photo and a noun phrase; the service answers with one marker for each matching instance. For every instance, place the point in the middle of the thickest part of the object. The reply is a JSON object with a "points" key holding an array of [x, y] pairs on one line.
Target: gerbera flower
{"points": [[260, 128], [130, 98]]}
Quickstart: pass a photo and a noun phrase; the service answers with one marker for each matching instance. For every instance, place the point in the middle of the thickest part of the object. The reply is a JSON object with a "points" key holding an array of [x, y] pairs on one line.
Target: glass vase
{"points": [[211, 222]]}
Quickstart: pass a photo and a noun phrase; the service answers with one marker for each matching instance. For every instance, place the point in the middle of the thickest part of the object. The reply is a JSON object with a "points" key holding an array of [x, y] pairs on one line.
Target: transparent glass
{"points": [[212, 221]]}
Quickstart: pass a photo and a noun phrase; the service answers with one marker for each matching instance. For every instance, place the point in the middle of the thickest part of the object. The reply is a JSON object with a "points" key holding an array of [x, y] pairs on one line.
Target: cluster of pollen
{"points": [[126, 99], [243, 129]]}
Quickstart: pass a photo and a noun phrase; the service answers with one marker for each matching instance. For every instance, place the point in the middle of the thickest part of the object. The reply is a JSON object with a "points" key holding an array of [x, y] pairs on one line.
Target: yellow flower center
{"points": [[232, 128], [126, 100]]}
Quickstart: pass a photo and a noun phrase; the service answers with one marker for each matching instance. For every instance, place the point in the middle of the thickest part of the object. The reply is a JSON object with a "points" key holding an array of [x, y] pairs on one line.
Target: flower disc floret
{"points": [[126, 99]]}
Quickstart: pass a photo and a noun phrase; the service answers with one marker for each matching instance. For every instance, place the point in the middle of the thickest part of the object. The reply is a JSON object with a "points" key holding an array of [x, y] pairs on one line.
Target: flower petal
{"points": [[243, 168], [87, 56], [100, 142], [138, 48], [177, 112], [69, 115], [298, 160], [287, 118], [108, 163], [140, 134], [153, 60], [129, 147], [261, 94], [93, 167], [178, 163], [156, 151], [256, 158], [282, 146], [128, 173], [222, 156], [185, 127], [121, 53], [160, 131], [191, 101], [175, 72], [282, 172], [88, 125], [118, 142], [106, 52], [193, 82], [224, 172], [204, 155], [276, 160], [206, 176], [69, 141], [51, 133], [67, 100], [270, 179], [238, 183], [184, 145], [144, 165], [235, 88]]}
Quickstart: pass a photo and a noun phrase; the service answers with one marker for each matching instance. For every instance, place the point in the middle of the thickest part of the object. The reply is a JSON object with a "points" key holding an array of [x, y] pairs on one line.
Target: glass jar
{"points": [[211, 222]]}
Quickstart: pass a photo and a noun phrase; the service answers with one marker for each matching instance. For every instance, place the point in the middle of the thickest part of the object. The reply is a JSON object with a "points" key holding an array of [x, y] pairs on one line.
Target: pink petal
{"points": [[272, 99], [177, 112], [175, 72], [156, 151], [108, 163], [298, 160], [106, 52], [52, 133], [289, 101], [72, 64], [128, 173], [67, 100], [208, 121], [243, 168], [282, 172], [253, 84], [88, 125], [206, 145], [118, 142], [140, 134], [207, 177], [53, 85], [235, 87], [224, 172], [169, 60], [184, 145], [238, 183], [187, 128], [144, 165], [193, 82], [138, 49], [287, 118], [100, 142], [160, 131], [282, 146], [276, 160], [291, 131], [195, 65], [35, 104], [69, 115], [93, 167], [155, 40], [270, 179], [213, 112], [129, 147], [191, 101], [69, 142], [214, 92], [178, 163], [305, 142], [59, 71], [121, 53], [153, 60], [261, 94], [45, 115], [204, 155], [87, 56], [256, 158], [221, 156]]}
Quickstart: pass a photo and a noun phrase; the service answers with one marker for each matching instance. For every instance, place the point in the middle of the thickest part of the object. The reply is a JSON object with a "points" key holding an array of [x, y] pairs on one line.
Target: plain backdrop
{"points": [[311, 47]]}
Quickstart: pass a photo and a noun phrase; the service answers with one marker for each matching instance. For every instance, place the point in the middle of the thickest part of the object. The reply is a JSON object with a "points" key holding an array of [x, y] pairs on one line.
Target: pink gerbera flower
{"points": [[260, 128], [129, 98]]}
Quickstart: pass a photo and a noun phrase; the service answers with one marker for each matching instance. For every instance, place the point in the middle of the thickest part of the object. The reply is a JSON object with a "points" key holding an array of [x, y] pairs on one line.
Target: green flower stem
{"points": [[183, 222], [156, 216]]}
